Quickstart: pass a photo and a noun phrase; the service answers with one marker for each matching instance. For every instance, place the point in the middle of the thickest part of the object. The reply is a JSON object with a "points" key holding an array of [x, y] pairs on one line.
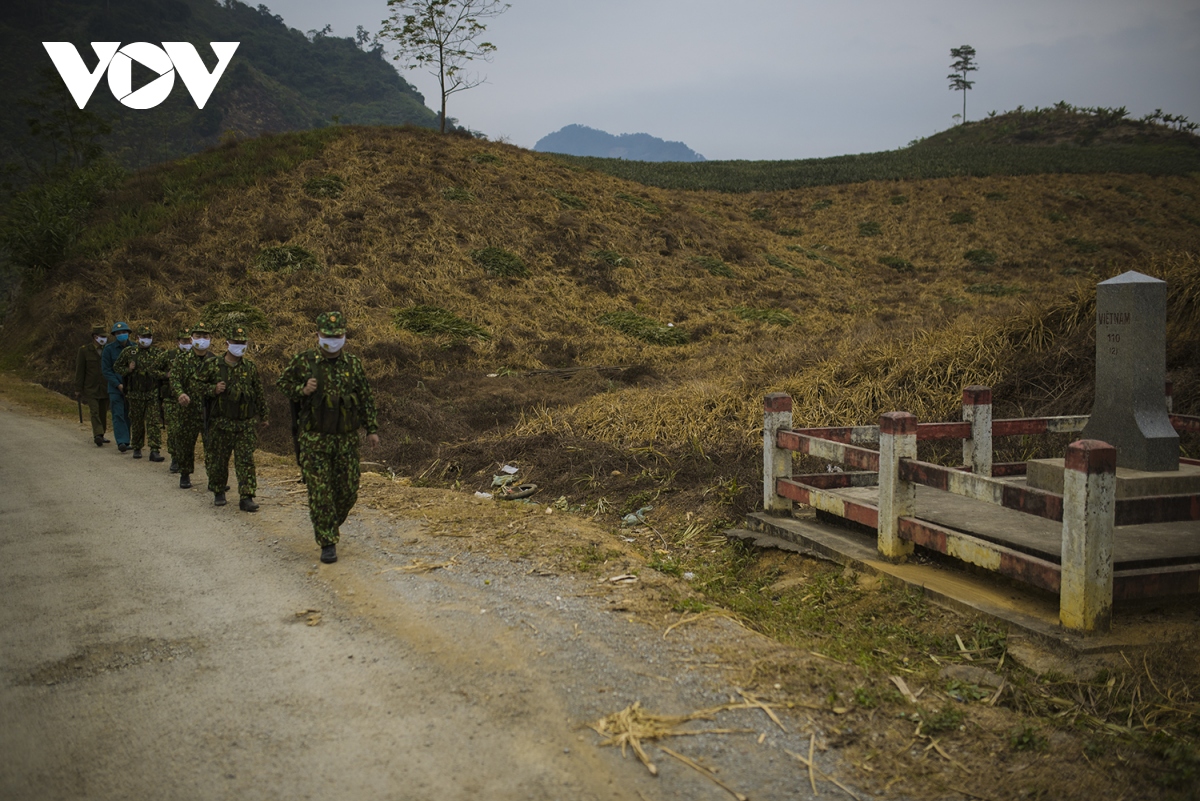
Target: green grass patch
{"points": [[790, 232], [772, 316], [499, 262], [898, 200], [432, 321], [995, 196], [223, 316], [641, 203], [568, 200], [814, 254], [869, 228], [1057, 217], [761, 214], [456, 194], [666, 565], [714, 266], [286, 259], [948, 718], [1027, 738], [898, 264], [994, 290], [980, 256], [643, 328], [609, 257], [962, 218], [485, 158], [785, 265], [325, 186], [1082, 245], [822, 204]]}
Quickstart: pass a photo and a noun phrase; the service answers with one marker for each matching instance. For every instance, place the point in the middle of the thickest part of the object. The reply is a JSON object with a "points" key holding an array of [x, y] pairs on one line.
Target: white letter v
{"points": [[196, 77], [74, 72]]}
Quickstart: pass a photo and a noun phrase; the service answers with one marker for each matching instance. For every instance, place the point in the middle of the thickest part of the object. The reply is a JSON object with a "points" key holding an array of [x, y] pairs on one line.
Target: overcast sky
{"points": [[785, 79]]}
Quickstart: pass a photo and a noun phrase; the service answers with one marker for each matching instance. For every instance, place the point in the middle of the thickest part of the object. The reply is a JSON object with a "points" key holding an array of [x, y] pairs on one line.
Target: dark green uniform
{"points": [[91, 385], [141, 391], [329, 420], [191, 417], [232, 416], [171, 408]]}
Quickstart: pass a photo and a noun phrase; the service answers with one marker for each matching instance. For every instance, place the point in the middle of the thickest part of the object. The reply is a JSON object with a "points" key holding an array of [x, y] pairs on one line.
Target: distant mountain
{"points": [[280, 79], [580, 140]]}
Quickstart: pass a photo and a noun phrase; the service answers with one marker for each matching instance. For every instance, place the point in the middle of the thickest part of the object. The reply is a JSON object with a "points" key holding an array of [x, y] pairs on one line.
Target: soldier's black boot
{"points": [[219, 499], [185, 480], [99, 441], [174, 468], [122, 447], [247, 504], [154, 457], [328, 554], [137, 453]]}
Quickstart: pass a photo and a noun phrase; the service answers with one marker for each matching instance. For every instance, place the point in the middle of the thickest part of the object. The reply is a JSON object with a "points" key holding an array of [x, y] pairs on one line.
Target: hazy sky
{"points": [[783, 79]]}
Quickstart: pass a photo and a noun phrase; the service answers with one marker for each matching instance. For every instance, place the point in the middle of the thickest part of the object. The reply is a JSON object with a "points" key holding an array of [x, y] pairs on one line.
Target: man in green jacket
{"points": [[237, 405], [90, 386], [189, 395], [335, 401], [142, 366], [171, 409]]}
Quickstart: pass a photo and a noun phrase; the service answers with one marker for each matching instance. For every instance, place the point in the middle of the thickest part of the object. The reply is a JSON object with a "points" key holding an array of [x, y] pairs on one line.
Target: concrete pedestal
{"points": [[1047, 474]]}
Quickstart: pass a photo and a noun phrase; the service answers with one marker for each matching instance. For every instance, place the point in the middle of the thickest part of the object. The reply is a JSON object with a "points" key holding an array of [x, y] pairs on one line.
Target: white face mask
{"points": [[236, 349], [185, 345], [331, 344], [145, 341], [201, 343], [101, 340]]}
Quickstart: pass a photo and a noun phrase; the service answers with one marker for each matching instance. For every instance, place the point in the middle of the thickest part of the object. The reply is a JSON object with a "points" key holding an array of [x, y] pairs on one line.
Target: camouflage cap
{"points": [[200, 328], [144, 331], [98, 330], [236, 334], [331, 324], [184, 334], [119, 326]]}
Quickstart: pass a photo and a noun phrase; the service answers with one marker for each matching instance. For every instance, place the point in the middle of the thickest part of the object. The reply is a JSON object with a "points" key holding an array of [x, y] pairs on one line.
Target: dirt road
{"points": [[151, 647]]}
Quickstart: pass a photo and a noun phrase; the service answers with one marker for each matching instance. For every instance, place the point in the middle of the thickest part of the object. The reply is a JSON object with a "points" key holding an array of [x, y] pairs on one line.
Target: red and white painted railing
{"points": [[1087, 509]]}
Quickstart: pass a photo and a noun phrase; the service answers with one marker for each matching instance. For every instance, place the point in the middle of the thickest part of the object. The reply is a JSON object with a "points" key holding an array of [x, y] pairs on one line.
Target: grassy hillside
{"points": [[457, 259]]}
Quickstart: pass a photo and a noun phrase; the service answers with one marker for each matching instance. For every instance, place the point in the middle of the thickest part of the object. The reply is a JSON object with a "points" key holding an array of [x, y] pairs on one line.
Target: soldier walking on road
{"points": [[171, 410], [190, 398], [237, 405], [116, 383], [335, 401], [142, 367], [90, 386]]}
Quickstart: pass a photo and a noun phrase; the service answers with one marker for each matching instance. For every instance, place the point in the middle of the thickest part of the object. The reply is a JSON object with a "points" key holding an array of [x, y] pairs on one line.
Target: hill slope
{"points": [[278, 81]]}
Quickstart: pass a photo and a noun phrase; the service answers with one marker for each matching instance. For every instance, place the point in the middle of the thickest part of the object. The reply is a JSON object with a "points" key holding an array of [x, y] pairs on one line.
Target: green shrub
{"points": [[325, 186], [898, 264], [772, 316], [762, 214], [568, 200], [980, 256], [286, 259], [645, 329], [995, 196], [499, 262], [947, 718], [221, 316], [824, 203], [962, 217], [814, 254], [785, 265], [434, 321], [790, 232], [714, 266], [898, 200], [609, 257], [1027, 738], [869, 229]]}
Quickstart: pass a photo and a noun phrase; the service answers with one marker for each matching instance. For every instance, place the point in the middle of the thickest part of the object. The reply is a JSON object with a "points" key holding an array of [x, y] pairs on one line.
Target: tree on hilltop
{"points": [[964, 62], [441, 35]]}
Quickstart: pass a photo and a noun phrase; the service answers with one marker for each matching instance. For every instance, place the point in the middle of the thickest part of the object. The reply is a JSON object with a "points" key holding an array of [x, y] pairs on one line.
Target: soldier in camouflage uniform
{"points": [[237, 404], [190, 397], [335, 400], [142, 366], [171, 408]]}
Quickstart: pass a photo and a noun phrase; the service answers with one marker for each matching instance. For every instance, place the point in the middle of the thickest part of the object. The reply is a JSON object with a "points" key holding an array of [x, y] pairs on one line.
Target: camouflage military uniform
{"points": [[329, 423], [191, 417], [171, 408], [232, 416], [142, 392]]}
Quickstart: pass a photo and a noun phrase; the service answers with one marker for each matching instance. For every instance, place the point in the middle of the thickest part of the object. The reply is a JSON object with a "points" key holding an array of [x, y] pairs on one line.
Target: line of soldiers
{"points": [[198, 393]]}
